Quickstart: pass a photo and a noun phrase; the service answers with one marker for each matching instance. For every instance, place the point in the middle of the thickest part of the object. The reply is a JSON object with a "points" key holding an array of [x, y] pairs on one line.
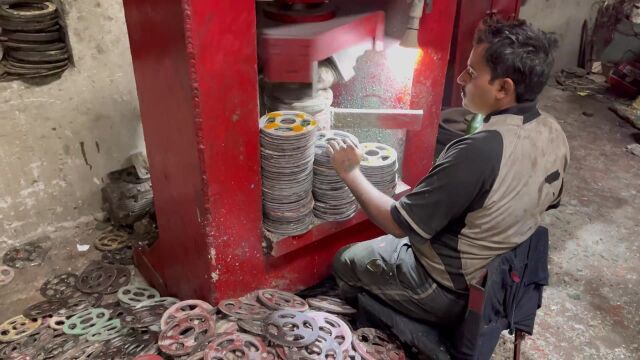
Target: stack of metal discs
{"points": [[287, 141], [32, 40], [380, 166], [317, 105], [333, 199]]}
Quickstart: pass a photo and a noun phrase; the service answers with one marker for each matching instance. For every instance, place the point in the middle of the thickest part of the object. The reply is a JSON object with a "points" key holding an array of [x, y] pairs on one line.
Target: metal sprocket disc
{"points": [[331, 305], [96, 278], [6, 275], [79, 303], [184, 308], [186, 333], [373, 344], [43, 309], [281, 300], [86, 321], [237, 346], [291, 328], [334, 328], [112, 241], [18, 327], [82, 351], [105, 331], [60, 286], [133, 295], [243, 310]]}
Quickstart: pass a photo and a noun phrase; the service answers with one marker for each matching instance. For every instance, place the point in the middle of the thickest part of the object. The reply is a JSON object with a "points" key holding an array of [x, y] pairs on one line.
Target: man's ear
{"points": [[506, 88]]}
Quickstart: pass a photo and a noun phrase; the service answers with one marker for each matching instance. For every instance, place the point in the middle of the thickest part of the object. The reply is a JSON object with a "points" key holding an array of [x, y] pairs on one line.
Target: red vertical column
{"points": [[434, 38], [196, 75]]}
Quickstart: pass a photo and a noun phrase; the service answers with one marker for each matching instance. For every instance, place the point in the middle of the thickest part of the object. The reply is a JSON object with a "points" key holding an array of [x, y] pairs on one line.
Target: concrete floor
{"points": [[591, 309]]}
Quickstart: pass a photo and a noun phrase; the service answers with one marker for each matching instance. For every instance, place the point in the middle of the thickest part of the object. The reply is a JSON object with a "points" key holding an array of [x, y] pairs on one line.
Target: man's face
{"points": [[478, 94]]}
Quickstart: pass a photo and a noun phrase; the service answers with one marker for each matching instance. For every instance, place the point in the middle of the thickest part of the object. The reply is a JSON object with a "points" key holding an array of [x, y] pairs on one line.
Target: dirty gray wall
{"points": [[564, 17], [47, 179]]}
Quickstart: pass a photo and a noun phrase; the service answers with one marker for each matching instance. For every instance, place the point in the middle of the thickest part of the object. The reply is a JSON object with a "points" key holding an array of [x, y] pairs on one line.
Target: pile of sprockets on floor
{"points": [[76, 322], [32, 39]]}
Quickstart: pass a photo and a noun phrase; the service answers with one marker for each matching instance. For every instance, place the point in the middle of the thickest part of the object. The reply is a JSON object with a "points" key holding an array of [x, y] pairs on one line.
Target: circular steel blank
{"points": [[43, 309], [96, 278], [79, 303], [185, 308], [333, 328], [18, 327], [86, 321], [237, 346], [135, 294], [112, 241], [373, 344], [291, 328], [243, 309], [331, 305], [281, 300], [60, 286], [186, 333], [28, 10], [6, 275]]}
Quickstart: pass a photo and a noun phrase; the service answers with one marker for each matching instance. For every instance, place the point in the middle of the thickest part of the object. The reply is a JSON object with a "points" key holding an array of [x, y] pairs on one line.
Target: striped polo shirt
{"points": [[485, 195]]}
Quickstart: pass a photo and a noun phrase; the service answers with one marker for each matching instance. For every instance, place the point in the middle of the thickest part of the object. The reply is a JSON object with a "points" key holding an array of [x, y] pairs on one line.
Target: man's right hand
{"points": [[345, 156]]}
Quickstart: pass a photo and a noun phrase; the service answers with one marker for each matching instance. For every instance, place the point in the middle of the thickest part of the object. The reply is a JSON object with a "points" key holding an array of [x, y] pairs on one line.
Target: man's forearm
{"points": [[375, 204]]}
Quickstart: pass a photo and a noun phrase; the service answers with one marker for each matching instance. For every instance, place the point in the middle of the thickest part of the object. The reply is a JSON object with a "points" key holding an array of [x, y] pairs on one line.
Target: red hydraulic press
{"points": [[198, 67]]}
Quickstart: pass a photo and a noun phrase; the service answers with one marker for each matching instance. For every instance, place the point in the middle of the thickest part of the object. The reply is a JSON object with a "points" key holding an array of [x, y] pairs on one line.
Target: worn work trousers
{"points": [[387, 268]]}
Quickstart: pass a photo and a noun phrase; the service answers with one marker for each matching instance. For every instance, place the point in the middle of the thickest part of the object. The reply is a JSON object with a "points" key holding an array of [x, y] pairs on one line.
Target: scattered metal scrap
{"points": [[74, 322]]}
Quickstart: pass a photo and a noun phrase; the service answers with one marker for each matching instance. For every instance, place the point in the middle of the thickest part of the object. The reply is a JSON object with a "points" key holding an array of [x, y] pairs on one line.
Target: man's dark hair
{"points": [[519, 52]]}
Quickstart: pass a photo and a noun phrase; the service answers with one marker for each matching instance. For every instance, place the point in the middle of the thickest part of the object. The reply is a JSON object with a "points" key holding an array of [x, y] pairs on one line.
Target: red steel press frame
{"points": [[195, 64]]}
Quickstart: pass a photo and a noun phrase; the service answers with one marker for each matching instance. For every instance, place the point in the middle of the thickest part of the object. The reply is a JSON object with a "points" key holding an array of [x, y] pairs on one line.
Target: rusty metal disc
{"points": [[291, 328], [59, 287], [226, 326], [19, 64], [34, 37], [164, 301], [105, 331], [281, 300], [373, 344], [79, 303], [331, 305], [237, 346], [252, 326], [6, 275], [112, 241], [51, 72], [183, 335], [133, 295], [18, 327], [184, 308], [122, 256], [82, 351], [21, 26], [43, 309], [33, 47], [59, 344], [96, 278], [86, 321], [334, 328], [123, 276], [57, 322], [30, 253], [243, 310], [323, 348], [146, 316], [28, 9]]}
